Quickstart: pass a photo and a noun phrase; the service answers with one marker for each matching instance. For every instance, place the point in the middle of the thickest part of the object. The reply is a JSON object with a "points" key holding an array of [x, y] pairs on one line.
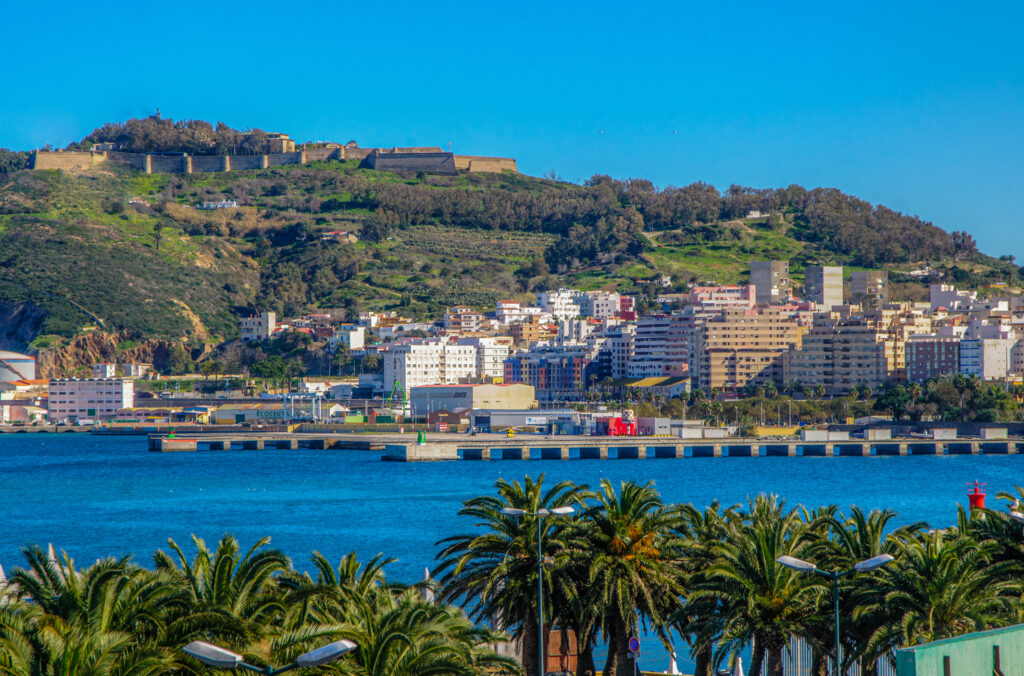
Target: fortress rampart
{"points": [[188, 164]]}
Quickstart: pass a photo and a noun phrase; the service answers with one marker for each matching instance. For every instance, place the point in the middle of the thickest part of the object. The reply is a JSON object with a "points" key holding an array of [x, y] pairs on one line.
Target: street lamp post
{"points": [[802, 566], [540, 514], [221, 658]]}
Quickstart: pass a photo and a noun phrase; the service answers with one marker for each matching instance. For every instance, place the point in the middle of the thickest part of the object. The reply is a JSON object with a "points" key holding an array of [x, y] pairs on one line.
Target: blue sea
{"points": [[99, 496]]}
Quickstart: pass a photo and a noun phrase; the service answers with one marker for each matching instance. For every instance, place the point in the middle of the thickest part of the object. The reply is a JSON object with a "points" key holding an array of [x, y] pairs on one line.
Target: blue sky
{"points": [[917, 106]]}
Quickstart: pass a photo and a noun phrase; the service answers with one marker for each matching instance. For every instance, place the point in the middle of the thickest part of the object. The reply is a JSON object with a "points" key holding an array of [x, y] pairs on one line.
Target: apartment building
{"points": [[428, 362], [771, 281], [561, 304], [491, 353], [823, 285], [931, 355], [737, 348], [598, 304], [842, 352], [351, 337], [104, 370], [529, 332], [663, 345], [510, 312], [462, 319], [93, 398], [987, 358], [715, 298], [870, 287], [258, 327]]}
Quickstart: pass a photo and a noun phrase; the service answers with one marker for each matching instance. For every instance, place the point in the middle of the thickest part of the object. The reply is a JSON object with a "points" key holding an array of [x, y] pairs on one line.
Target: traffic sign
{"points": [[634, 644]]}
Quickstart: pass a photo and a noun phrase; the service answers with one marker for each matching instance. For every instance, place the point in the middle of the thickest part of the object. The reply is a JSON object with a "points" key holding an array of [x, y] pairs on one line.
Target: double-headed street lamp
{"points": [[540, 514], [221, 658], [807, 567]]}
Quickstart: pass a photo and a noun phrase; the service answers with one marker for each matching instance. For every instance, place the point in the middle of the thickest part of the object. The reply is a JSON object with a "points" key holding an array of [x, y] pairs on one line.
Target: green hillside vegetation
{"points": [[73, 245]]}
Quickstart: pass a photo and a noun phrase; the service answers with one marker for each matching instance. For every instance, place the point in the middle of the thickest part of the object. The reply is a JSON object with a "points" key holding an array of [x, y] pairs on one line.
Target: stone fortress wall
{"points": [[188, 164]]}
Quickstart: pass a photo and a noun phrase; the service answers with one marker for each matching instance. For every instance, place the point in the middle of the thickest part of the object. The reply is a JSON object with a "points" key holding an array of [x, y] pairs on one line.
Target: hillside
{"points": [[75, 253]]}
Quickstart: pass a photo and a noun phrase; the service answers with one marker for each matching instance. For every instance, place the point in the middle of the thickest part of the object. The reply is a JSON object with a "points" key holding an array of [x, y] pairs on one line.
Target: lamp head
{"points": [[796, 564], [563, 510], [512, 511], [212, 655], [1017, 516], [328, 653], [873, 563]]}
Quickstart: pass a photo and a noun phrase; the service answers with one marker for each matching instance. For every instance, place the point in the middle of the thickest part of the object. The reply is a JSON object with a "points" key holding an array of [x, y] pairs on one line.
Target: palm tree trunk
{"points": [[585, 652], [775, 660], [702, 666], [530, 647], [618, 663], [756, 657]]}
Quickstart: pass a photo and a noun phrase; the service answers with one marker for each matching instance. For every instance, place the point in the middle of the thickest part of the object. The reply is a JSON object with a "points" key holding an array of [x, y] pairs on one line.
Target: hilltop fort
{"points": [[283, 151]]}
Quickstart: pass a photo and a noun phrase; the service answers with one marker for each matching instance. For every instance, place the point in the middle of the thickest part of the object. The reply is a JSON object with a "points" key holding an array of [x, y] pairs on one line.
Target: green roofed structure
{"points": [[999, 652]]}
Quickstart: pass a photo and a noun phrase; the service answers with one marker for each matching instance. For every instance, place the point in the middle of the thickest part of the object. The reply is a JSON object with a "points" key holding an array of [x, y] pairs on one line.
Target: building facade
{"points": [[429, 398], [870, 287], [258, 327], [823, 285], [94, 398], [737, 348], [771, 281]]}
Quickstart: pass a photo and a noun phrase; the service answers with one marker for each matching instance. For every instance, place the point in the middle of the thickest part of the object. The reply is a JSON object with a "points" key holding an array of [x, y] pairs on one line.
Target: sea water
{"points": [[100, 496]]}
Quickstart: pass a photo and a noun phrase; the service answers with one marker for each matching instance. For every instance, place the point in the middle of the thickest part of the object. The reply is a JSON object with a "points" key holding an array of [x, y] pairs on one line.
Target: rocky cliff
{"points": [[96, 347]]}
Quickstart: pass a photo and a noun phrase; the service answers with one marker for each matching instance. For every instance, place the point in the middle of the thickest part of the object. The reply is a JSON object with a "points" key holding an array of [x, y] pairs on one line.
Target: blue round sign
{"points": [[634, 644]]}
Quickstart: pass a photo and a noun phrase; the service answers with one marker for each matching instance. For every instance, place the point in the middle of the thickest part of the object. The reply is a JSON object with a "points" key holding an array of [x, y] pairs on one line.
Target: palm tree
{"points": [[402, 635], [700, 620], [634, 569], [108, 618], [764, 602], [941, 585], [236, 594], [495, 572]]}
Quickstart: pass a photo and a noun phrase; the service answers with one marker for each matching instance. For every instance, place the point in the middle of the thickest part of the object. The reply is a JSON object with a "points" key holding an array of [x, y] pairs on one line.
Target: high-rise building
{"points": [[870, 287], [929, 356], [744, 347], [823, 284], [491, 353], [771, 281]]}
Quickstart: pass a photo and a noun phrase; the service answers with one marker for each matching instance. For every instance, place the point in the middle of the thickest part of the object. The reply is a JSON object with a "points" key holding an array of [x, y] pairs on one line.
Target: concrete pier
{"points": [[451, 446]]}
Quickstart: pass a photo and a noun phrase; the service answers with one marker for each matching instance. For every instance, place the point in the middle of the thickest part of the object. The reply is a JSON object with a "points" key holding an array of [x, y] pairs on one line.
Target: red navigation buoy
{"points": [[977, 495]]}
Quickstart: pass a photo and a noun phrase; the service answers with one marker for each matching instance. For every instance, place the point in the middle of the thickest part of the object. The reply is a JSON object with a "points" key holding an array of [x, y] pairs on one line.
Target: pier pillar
{"points": [[288, 444], [563, 452], [791, 450], [253, 445], [830, 450], [717, 452], [975, 447], [318, 444], [219, 445], [166, 445], [903, 448]]}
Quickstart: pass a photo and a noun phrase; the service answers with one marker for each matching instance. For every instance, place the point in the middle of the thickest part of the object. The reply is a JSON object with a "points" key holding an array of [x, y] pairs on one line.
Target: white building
{"points": [[561, 304], [258, 327], [428, 362], [510, 312], [352, 337], [491, 353], [987, 358], [598, 304], [104, 370], [95, 398], [572, 331], [949, 297]]}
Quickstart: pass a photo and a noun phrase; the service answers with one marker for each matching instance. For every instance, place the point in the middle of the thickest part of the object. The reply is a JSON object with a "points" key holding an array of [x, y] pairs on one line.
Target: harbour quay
{"points": [[633, 448]]}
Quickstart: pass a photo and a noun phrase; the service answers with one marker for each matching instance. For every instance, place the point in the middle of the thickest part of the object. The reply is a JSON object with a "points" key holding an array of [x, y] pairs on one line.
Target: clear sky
{"points": [[918, 106]]}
